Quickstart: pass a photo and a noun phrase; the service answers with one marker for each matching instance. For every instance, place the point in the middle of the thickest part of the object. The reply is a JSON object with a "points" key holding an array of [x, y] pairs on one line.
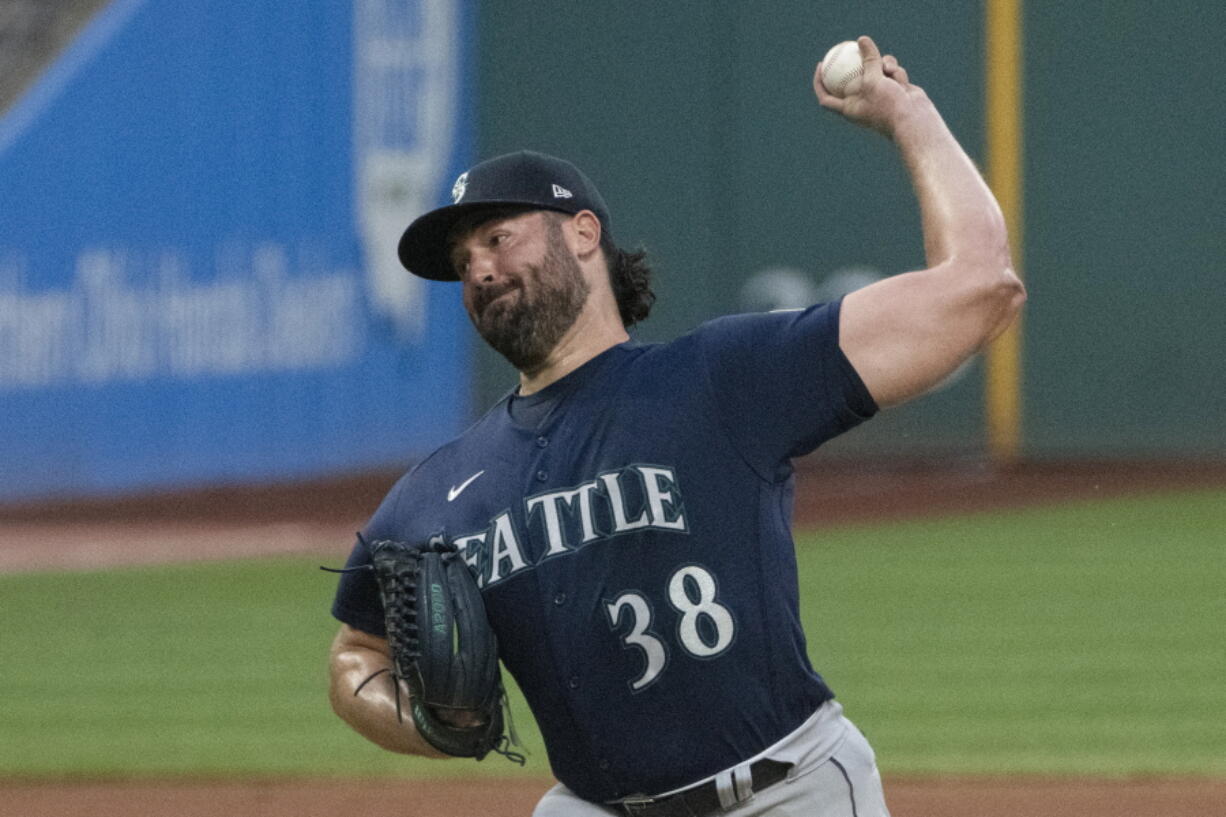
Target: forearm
{"points": [[371, 712], [969, 289], [960, 216], [907, 332]]}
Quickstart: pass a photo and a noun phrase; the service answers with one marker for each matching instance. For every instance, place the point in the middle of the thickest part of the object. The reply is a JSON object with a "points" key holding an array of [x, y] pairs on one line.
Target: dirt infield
{"points": [[321, 518], [937, 797]]}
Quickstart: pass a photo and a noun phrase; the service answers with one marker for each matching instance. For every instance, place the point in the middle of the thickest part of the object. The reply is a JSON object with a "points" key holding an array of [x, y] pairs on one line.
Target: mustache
{"points": [[482, 298]]}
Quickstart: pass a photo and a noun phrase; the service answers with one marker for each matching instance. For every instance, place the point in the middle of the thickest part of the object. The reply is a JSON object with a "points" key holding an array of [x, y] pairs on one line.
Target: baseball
{"points": [[841, 68]]}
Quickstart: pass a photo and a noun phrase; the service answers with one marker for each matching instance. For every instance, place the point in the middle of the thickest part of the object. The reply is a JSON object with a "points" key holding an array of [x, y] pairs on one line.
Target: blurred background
{"points": [[207, 344], [200, 204]]}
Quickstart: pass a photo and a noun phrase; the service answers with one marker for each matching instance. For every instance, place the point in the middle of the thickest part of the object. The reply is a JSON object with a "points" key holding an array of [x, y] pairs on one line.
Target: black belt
{"points": [[704, 799]]}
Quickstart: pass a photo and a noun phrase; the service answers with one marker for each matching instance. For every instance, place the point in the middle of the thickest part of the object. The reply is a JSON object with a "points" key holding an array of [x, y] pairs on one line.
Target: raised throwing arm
{"points": [[908, 332]]}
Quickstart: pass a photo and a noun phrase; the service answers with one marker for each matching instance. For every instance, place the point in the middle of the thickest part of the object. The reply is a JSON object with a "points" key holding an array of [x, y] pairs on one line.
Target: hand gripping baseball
{"points": [[883, 97]]}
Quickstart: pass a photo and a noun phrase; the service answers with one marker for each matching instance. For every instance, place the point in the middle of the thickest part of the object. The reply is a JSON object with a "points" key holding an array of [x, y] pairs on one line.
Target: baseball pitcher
{"points": [[624, 513]]}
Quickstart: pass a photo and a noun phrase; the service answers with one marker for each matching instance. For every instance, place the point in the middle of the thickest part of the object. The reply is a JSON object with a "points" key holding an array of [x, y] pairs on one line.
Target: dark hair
{"points": [[630, 276]]}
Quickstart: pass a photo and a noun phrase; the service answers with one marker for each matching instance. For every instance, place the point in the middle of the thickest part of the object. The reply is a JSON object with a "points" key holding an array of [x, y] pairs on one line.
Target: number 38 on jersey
{"points": [[704, 628]]}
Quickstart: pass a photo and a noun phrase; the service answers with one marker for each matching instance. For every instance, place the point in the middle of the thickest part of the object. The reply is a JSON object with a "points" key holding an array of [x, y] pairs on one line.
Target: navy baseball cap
{"points": [[526, 177]]}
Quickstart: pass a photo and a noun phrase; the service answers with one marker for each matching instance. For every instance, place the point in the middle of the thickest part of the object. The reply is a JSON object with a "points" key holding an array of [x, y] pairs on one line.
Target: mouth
{"points": [[489, 298]]}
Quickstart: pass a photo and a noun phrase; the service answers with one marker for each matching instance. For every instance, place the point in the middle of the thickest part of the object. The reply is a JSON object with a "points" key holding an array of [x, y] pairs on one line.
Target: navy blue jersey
{"points": [[631, 528]]}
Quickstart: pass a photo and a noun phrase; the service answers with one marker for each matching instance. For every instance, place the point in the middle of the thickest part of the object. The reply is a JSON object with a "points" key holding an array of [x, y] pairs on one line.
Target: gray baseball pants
{"points": [[834, 774]]}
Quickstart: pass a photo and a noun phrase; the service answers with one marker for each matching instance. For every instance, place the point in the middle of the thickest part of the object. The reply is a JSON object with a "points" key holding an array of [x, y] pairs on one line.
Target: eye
{"points": [[497, 239]]}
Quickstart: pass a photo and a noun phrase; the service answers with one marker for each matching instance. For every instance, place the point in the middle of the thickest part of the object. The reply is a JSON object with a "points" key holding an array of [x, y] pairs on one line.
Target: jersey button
{"points": [[541, 442], [542, 475], [604, 765], [559, 599], [573, 683]]}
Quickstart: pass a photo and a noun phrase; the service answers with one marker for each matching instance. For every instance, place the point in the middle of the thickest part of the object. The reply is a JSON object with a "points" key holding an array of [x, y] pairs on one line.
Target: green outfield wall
{"points": [[1126, 229], [698, 123]]}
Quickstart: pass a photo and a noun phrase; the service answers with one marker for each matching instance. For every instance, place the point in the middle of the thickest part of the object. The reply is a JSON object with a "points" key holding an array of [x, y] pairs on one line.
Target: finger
{"points": [[827, 99], [891, 68], [869, 55]]}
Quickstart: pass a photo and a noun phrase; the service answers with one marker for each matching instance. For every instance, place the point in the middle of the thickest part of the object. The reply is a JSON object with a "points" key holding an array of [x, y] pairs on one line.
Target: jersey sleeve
{"points": [[357, 596], [357, 601], [781, 384]]}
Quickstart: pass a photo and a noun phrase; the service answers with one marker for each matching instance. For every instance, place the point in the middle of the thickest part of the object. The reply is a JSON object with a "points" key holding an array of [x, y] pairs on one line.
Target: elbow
{"points": [[988, 295], [1011, 292], [1003, 300], [986, 279]]}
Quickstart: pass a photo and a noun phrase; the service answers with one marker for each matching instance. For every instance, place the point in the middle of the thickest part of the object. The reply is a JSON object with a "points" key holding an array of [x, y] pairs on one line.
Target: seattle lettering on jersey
{"points": [[634, 498]]}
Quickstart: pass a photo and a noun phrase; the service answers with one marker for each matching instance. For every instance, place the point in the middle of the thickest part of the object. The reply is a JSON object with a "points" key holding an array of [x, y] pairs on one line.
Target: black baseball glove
{"points": [[442, 647]]}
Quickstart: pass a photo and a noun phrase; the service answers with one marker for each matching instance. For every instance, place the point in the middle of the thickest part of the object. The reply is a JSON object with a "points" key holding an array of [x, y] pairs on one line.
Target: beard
{"points": [[523, 323]]}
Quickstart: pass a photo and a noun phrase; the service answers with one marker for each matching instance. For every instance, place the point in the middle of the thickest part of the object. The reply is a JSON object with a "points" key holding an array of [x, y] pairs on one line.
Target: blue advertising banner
{"points": [[199, 208]]}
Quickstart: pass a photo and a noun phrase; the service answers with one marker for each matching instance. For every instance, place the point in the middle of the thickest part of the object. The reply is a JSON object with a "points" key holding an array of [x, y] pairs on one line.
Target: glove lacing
{"points": [[403, 610]]}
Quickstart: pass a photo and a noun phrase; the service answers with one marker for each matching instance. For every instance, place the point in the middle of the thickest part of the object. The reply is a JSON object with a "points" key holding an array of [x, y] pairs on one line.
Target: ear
{"points": [[585, 229]]}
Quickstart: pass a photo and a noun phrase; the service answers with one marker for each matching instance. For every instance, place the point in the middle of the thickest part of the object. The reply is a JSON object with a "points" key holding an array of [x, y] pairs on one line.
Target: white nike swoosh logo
{"points": [[456, 490]]}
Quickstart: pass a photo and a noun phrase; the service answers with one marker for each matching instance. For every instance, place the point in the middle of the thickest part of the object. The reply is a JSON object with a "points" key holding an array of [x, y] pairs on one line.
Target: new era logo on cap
{"points": [[560, 192]]}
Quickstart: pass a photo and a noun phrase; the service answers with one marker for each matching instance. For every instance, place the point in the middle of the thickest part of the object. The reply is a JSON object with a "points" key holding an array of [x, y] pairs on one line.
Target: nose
{"points": [[482, 268]]}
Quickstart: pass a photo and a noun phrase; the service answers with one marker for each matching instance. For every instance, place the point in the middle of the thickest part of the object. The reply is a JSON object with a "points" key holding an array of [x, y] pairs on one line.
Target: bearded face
{"points": [[524, 317]]}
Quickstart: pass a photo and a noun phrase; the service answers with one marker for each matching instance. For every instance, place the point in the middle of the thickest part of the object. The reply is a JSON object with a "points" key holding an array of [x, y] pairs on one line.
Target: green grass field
{"points": [[1084, 639]]}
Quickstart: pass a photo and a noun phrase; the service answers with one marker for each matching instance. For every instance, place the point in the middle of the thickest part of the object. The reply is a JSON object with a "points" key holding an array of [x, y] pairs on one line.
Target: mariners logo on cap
{"points": [[457, 190]]}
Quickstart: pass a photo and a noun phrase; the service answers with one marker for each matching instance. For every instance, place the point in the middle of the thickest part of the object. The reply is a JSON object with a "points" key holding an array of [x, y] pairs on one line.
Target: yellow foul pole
{"points": [[1003, 382]]}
